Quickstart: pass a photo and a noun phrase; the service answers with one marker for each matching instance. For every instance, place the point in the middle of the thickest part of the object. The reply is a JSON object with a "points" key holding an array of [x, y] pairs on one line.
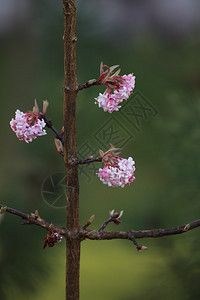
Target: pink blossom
{"points": [[117, 172], [27, 126], [122, 87]]}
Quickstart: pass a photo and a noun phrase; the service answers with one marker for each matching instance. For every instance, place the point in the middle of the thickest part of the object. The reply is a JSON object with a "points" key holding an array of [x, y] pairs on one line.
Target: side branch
{"points": [[49, 125], [31, 220], [88, 84], [88, 160], [154, 233]]}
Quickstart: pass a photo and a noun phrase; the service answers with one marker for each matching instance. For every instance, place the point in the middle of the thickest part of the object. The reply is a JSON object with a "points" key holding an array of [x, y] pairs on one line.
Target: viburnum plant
{"points": [[116, 172]]}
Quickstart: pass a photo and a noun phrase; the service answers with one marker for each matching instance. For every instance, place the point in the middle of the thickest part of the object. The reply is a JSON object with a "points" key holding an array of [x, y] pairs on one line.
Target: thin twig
{"points": [[49, 125], [103, 226], [114, 217], [89, 222], [88, 160], [88, 84], [154, 233], [139, 247], [31, 220]]}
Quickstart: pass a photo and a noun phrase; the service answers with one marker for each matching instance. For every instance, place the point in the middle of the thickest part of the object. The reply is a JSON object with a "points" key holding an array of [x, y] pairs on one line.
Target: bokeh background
{"points": [[157, 40]]}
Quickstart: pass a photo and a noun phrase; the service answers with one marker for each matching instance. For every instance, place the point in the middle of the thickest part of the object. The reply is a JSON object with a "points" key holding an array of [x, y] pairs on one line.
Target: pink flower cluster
{"points": [[110, 101], [118, 173], [122, 86], [27, 126]]}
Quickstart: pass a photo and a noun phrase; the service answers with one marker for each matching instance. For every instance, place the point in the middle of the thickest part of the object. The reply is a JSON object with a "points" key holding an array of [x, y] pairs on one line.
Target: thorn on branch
{"points": [[115, 217]]}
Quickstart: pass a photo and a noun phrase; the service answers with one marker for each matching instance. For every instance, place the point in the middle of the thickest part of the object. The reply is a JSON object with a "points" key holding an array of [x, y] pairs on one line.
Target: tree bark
{"points": [[70, 156]]}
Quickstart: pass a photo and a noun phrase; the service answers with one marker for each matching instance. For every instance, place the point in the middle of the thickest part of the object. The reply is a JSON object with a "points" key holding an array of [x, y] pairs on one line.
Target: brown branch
{"points": [[50, 125], [32, 220], [70, 155], [131, 235], [154, 233], [88, 84], [88, 160], [114, 217]]}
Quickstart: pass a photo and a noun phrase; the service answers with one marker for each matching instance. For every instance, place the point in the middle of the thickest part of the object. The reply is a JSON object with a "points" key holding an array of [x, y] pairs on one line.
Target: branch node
{"points": [[74, 39], [88, 233], [66, 88]]}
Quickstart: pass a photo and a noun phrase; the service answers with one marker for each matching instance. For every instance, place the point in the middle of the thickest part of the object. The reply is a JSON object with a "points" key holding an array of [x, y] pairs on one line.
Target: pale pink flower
{"points": [[117, 171], [107, 102], [122, 87], [27, 126]]}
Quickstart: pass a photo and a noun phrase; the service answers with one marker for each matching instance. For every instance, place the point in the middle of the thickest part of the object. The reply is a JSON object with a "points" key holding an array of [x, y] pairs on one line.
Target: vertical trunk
{"points": [[70, 93]]}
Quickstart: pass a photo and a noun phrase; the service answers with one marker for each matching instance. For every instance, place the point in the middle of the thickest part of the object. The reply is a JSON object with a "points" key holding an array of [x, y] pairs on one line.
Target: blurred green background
{"points": [[157, 40]]}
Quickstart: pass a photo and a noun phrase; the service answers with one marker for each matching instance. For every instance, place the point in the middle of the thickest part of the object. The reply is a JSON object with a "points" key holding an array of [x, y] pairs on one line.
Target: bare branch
{"points": [[49, 125], [154, 233], [32, 220], [131, 235]]}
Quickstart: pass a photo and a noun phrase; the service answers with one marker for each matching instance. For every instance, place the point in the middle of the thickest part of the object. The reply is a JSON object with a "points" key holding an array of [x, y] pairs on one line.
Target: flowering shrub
{"points": [[117, 171]]}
